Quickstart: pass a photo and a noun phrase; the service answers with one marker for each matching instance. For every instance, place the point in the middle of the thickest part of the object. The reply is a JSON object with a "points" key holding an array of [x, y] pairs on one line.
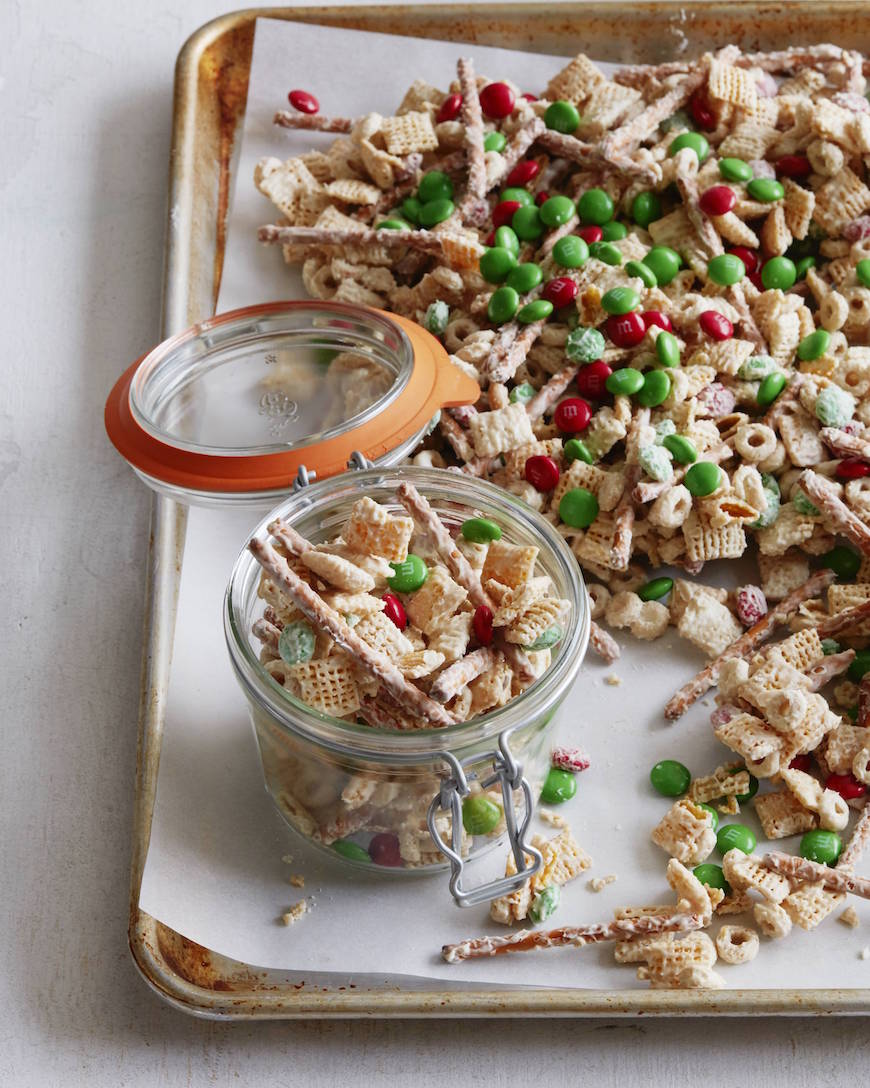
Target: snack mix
{"points": [[661, 281]]}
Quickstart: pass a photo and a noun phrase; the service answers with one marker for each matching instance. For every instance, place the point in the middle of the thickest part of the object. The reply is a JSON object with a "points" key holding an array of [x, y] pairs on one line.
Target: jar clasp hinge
{"points": [[509, 775], [304, 476]]}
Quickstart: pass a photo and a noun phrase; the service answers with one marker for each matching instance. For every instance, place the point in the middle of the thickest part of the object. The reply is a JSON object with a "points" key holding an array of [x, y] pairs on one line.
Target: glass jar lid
{"points": [[234, 406]]}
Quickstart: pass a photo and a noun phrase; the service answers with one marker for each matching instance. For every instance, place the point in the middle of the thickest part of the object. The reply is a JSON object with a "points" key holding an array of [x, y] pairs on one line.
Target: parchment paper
{"points": [[215, 871]]}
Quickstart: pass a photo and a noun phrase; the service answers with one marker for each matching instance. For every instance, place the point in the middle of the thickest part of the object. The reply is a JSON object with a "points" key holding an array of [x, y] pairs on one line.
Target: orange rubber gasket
{"points": [[434, 383]]}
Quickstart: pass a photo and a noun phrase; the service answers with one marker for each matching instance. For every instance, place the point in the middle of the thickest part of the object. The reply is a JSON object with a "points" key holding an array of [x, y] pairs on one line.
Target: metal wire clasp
{"points": [[509, 774], [305, 476]]}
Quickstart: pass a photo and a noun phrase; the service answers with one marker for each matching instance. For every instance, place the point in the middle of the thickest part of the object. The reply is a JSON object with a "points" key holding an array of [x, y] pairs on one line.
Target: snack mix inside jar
{"points": [[404, 638]]}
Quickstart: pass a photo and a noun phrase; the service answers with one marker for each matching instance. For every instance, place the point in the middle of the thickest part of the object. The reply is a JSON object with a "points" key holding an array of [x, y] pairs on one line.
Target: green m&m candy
{"points": [[645, 208], [522, 394], [642, 271], [596, 207], [409, 574], [714, 815], [735, 837], [821, 846], [577, 450], [480, 530], [519, 196], [735, 170], [606, 252], [712, 875], [496, 263], [558, 786], [502, 305], [804, 265], [655, 589], [830, 646], [655, 390], [411, 208], [620, 300], [834, 407], [756, 367], [814, 346], [860, 665], [479, 814], [726, 269], [770, 388], [626, 381], [506, 239], [703, 478], [614, 231], [655, 462], [843, 561], [667, 349], [524, 277], [862, 271], [584, 345], [436, 211], [664, 263], [538, 309], [571, 251], [296, 643], [803, 505], [527, 224], [394, 224], [670, 778], [435, 185], [437, 316], [682, 449], [557, 210], [547, 639], [578, 508], [767, 190], [562, 116], [779, 273], [351, 850], [545, 903], [494, 141], [693, 140]]}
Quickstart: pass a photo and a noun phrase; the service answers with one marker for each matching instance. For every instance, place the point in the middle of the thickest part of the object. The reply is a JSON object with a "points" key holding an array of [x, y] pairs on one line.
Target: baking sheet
{"points": [[214, 871]]}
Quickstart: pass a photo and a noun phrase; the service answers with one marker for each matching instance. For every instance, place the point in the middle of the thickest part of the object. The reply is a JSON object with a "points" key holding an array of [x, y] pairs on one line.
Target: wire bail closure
{"points": [[509, 774]]}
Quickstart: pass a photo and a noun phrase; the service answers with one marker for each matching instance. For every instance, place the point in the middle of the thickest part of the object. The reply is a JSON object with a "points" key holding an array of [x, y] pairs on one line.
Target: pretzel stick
{"points": [[750, 328], [569, 147], [864, 702], [456, 437], [648, 490], [460, 674], [789, 59], [510, 349], [634, 132], [267, 633], [842, 621], [811, 872], [858, 842], [473, 205], [687, 182], [520, 143], [748, 642], [603, 643], [327, 619], [525, 940], [314, 122], [419, 509], [556, 235], [294, 542], [825, 671], [424, 240], [845, 445], [623, 523], [841, 518], [545, 399]]}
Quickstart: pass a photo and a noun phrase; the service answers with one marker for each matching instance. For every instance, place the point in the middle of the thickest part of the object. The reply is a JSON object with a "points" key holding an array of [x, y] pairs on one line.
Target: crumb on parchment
{"points": [[554, 819], [599, 883], [297, 880], [864, 954], [849, 918], [612, 680], [295, 912]]}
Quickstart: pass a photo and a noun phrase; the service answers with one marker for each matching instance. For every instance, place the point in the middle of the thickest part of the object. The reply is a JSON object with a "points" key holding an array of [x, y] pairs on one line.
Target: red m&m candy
{"points": [[846, 785], [497, 100], [717, 200], [541, 472], [592, 379], [450, 108], [503, 213], [852, 469], [542, 197], [716, 325], [625, 330], [561, 291], [656, 317], [748, 256], [481, 621], [394, 611], [572, 415], [303, 101], [384, 850], [793, 166], [591, 234], [523, 172], [801, 763], [699, 108]]}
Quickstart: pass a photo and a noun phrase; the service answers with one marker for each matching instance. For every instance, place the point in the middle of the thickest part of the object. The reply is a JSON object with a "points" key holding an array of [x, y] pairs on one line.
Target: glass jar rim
{"points": [[351, 739]]}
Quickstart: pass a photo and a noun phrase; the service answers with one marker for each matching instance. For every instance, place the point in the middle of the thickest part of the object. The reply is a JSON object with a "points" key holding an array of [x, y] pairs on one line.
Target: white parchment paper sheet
{"points": [[215, 871]]}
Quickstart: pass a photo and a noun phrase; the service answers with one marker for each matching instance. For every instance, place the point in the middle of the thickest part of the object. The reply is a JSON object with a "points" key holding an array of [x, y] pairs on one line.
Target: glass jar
{"points": [[393, 800]]}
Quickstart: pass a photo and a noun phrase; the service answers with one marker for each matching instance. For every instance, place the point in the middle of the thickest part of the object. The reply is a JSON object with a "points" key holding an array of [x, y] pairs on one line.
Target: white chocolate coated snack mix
{"points": [[661, 282], [398, 625]]}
